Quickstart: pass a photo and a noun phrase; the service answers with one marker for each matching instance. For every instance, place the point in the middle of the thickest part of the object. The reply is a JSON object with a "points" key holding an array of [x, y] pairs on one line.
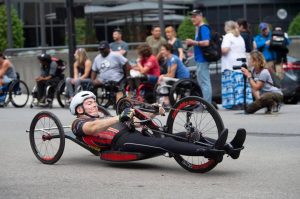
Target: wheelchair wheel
{"points": [[183, 88], [194, 112], [47, 137], [18, 93], [61, 94]]}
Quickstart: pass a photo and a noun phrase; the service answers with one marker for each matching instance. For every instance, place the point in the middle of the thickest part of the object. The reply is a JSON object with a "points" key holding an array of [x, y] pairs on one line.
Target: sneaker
{"points": [[221, 141], [235, 146], [276, 107]]}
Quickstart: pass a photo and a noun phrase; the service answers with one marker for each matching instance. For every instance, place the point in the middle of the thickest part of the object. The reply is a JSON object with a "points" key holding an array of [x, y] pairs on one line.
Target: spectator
{"points": [[176, 71], [147, 64], [155, 41], [266, 95], [110, 66], [7, 74], [175, 42], [233, 47], [119, 45], [279, 43], [263, 41], [203, 32], [247, 36], [48, 77], [82, 73]]}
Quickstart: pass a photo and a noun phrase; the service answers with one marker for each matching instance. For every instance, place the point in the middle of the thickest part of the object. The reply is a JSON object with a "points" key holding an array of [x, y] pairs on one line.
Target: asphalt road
{"points": [[267, 168]]}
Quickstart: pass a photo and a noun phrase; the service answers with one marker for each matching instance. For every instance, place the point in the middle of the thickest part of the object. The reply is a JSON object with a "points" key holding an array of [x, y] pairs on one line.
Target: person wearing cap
{"points": [[201, 39], [7, 74], [109, 66], [112, 132], [47, 77], [263, 40], [119, 45]]}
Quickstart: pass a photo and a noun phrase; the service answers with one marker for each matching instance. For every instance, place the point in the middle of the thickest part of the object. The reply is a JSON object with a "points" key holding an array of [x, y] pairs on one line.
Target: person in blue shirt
{"points": [[202, 38], [176, 70], [263, 41]]}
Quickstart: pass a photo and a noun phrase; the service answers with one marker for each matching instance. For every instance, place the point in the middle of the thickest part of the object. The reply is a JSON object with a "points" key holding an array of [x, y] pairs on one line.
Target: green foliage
{"points": [[84, 34], [294, 27], [186, 29], [17, 29]]}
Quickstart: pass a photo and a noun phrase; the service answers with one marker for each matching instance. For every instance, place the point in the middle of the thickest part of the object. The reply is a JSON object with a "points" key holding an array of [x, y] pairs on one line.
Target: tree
{"points": [[186, 29], [84, 34], [294, 27], [17, 29]]}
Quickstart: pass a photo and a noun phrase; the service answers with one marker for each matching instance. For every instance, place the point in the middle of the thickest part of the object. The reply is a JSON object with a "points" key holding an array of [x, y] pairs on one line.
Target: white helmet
{"points": [[79, 98]]}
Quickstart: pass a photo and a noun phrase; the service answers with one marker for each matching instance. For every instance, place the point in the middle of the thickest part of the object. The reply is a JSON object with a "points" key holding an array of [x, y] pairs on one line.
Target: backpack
{"points": [[212, 53], [61, 66]]}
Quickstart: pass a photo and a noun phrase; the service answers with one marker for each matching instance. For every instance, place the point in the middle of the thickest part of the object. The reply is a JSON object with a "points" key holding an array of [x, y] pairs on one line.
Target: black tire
{"points": [[47, 137], [184, 88], [122, 104], [18, 93], [61, 94], [204, 117]]}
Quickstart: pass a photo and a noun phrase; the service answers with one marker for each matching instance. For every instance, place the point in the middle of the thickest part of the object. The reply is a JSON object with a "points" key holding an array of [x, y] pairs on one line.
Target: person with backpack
{"points": [[202, 39], [233, 48], [49, 77]]}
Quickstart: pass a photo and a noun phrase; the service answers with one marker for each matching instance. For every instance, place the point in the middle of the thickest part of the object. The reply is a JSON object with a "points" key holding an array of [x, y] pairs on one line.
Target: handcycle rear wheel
{"points": [[47, 137], [18, 93], [207, 122]]}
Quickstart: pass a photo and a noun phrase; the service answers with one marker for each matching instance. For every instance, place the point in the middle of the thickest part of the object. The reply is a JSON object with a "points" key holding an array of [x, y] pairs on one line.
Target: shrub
{"points": [[17, 29]]}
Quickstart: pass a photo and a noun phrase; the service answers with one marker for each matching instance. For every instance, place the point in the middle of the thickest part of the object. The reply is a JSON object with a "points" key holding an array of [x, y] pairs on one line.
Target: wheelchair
{"points": [[142, 92], [178, 90], [16, 92], [52, 89]]}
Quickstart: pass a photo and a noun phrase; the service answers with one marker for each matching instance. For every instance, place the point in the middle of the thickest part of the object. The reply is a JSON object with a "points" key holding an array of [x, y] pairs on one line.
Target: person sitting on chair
{"points": [[111, 66], [47, 77], [82, 72], [176, 71], [7, 74], [114, 134]]}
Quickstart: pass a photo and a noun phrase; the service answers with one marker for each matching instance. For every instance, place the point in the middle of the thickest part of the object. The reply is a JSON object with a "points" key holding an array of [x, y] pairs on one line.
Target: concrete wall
{"points": [[28, 66]]}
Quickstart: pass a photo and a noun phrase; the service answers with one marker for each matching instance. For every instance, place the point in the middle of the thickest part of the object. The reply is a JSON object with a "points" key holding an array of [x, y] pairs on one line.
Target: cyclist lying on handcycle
{"points": [[114, 134]]}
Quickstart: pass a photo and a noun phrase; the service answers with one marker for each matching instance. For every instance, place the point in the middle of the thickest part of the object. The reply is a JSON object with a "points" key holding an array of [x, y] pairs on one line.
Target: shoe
{"points": [[221, 141], [276, 107], [235, 146], [1, 104], [268, 110]]}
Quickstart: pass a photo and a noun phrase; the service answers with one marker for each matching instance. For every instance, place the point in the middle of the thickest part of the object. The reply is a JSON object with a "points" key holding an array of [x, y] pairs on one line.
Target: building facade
{"points": [[275, 12]]}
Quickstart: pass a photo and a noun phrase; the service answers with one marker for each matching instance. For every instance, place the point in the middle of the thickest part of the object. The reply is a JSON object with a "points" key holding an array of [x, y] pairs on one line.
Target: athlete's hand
{"points": [[126, 115]]}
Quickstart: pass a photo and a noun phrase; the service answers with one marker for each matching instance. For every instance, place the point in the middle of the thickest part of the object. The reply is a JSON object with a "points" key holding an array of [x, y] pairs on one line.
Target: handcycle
{"points": [[16, 92], [192, 117]]}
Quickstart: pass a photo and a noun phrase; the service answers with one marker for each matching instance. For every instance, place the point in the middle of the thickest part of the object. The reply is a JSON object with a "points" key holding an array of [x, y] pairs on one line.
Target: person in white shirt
{"points": [[233, 48]]}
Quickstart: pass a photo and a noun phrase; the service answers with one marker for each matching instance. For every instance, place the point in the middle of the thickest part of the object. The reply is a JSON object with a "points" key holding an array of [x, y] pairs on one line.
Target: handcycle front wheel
{"points": [[47, 137], [194, 112]]}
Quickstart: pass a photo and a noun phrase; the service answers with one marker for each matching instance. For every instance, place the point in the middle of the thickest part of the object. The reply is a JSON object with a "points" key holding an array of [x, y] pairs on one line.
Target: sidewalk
{"points": [[285, 123]]}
